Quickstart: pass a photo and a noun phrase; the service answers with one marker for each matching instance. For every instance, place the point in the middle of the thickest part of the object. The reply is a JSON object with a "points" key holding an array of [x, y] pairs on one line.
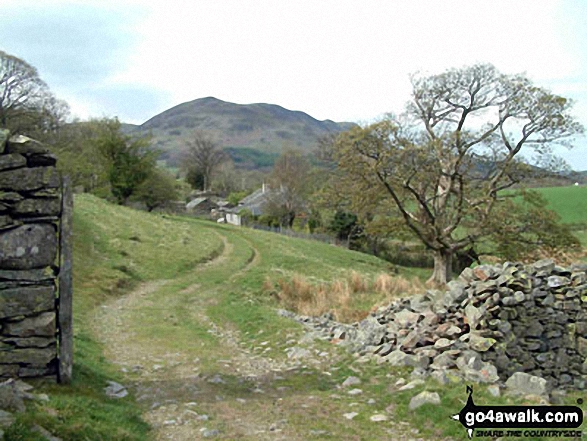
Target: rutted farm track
{"points": [[199, 375]]}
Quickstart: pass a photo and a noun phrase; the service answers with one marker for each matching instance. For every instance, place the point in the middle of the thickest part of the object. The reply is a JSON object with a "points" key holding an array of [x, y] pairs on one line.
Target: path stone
{"points": [[424, 397], [351, 381], [350, 415], [115, 390], [379, 417], [412, 384]]}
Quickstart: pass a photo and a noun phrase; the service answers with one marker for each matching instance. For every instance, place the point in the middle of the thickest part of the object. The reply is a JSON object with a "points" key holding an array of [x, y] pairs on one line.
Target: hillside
{"points": [[182, 313], [264, 127]]}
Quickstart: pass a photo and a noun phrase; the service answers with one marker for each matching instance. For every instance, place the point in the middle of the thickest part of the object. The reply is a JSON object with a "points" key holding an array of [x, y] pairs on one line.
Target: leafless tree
{"points": [[202, 159], [26, 104], [289, 186]]}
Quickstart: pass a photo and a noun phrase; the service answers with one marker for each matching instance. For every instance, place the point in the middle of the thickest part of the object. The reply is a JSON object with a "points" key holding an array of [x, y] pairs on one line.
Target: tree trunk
{"points": [[442, 268]]}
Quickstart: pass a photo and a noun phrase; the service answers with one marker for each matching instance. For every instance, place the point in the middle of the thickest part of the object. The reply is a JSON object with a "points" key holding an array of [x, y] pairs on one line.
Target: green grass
{"points": [[116, 248], [569, 202], [571, 205]]}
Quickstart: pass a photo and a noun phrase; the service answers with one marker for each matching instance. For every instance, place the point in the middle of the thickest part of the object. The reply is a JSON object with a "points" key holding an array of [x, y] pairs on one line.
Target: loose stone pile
{"points": [[29, 208], [492, 322]]}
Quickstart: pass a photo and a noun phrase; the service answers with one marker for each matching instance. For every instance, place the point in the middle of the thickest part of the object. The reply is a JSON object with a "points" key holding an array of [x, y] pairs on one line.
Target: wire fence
{"points": [[301, 235]]}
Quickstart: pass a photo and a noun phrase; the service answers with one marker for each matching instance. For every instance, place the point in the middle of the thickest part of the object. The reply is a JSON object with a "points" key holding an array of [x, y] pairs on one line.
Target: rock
{"points": [[12, 161], [443, 361], [424, 397], [406, 319], [297, 353], [37, 207], [494, 390], [474, 369], [210, 433], [29, 179], [448, 329], [473, 316], [42, 325], [400, 358], [351, 381], [115, 390], [45, 433], [28, 247], [350, 415], [441, 376], [442, 343], [6, 419], [412, 384], [26, 300], [582, 346], [354, 392], [525, 384], [25, 145], [384, 349], [544, 265], [455, 294], [480, 344], [378, 417], [557, 282], [34, 357], [216, 379], [11, 397], [4, 137]]}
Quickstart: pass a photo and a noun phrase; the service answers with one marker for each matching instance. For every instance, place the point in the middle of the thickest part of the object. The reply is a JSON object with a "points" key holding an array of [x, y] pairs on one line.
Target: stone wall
{"points": [[492, 323], [30, 211]]}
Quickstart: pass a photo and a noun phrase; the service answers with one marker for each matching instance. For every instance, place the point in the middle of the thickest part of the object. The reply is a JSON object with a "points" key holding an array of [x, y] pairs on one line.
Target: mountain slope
{"points": [[264, 127]]}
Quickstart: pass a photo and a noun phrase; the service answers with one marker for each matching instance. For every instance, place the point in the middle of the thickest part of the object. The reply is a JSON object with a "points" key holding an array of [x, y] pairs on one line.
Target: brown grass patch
{"points": [[348, 299]]}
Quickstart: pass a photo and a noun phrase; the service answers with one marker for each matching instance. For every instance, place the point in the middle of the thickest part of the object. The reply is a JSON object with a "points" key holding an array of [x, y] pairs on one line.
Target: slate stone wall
{"points": [[30, 209], [492, 322]]}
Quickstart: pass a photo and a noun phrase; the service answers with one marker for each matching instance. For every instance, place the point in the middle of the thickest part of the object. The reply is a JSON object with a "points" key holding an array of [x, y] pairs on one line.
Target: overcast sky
{"points": [[340, 60]]}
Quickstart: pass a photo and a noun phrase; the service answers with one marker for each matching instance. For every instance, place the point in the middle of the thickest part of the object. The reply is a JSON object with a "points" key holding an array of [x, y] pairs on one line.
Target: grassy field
{"points": [[569, 202], [571, 205], [169, 305]]}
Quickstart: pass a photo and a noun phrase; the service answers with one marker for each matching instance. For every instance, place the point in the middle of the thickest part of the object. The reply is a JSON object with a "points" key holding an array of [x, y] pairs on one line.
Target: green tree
{"points": [[75, 146], [443, 162], [128, 161], [156, 190]]}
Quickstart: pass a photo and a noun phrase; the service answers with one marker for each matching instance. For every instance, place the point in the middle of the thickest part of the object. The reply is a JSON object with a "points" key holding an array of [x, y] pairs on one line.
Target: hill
{"points": [[264, 127]]}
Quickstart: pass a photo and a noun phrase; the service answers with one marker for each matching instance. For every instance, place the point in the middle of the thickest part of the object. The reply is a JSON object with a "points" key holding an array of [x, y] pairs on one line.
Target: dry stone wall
{"points": [[491, 324], [30, 209]]}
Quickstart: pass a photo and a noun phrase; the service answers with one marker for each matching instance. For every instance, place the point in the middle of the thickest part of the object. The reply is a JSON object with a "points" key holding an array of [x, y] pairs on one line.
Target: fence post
{"points": [[65, 312]]}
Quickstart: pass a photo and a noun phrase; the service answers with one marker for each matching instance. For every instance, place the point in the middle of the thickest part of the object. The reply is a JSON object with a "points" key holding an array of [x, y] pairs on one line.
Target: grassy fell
{"points": [[237, 277]]}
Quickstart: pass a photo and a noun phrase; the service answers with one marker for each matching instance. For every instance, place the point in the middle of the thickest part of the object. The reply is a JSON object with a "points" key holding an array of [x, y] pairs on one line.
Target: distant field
{"points": [[569, 202]]}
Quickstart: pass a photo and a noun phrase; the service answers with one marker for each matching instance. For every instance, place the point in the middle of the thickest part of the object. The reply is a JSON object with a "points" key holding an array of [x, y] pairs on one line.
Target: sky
{"points": [[333, 59]]}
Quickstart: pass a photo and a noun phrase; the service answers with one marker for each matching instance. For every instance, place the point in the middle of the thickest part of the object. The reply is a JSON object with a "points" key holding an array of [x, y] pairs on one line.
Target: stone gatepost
{"points": [[31, 209]]}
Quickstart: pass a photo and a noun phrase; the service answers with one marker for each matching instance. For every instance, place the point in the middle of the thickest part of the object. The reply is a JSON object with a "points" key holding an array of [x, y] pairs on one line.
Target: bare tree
{"points": [[289, 187], [203, 156], [442, 163], [26, 104]]}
